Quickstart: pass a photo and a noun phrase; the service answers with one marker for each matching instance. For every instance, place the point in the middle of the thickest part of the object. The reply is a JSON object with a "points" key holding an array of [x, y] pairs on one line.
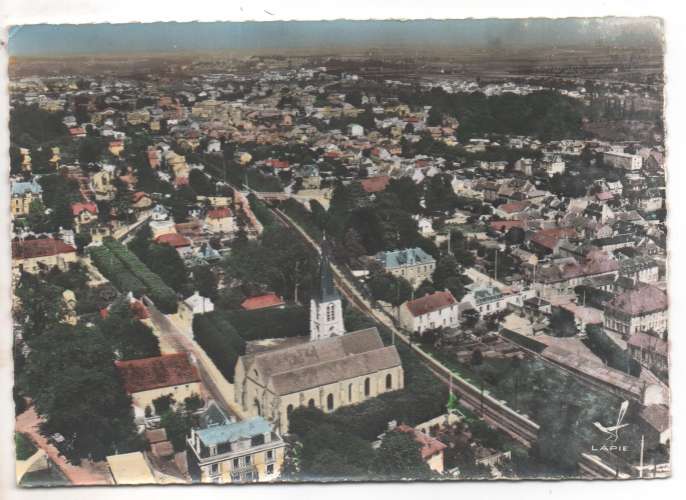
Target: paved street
{"points": [[172, 335]]}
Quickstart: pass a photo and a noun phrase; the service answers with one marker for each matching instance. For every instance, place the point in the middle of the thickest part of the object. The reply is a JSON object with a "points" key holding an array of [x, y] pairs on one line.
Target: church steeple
{"points": [[326, 310]]}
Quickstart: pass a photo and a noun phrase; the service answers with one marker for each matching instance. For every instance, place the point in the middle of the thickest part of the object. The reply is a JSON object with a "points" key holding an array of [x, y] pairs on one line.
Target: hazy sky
{"points": [[168, 37]]}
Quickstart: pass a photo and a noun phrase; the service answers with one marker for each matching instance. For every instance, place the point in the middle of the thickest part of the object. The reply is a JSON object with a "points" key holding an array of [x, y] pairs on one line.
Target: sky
{"points": [[44, 39]]}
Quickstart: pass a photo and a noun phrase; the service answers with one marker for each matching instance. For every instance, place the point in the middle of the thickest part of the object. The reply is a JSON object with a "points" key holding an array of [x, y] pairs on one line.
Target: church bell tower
{"points": [[326, 310]]}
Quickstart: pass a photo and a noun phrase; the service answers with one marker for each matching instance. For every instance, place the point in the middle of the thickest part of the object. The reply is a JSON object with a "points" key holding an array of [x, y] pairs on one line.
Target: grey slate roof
{"points": [[322, 362], [407, 257]]}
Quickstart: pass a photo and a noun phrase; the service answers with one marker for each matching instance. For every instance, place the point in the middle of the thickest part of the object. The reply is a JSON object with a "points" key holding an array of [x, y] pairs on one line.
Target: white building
{"points": [[624, 161], [436, 310]]}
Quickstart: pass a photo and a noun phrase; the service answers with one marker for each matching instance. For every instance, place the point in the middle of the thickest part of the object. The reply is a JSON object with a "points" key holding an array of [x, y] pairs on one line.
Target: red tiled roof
{"points": [[429, 303], [173, 239], [77, 208], [548, 238], [262, 301], [30, 249], [505, 225], [375, 184], [77, 131], [430, 445], [511, 208], [219, 213], [153, 373]]}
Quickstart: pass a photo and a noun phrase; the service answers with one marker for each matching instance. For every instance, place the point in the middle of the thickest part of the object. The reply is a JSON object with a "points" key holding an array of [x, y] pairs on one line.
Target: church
{"points": [[334, 368]]}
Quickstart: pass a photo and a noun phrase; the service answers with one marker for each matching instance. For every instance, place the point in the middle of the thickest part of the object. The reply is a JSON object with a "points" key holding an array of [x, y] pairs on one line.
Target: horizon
{"points": [[66, 40]]}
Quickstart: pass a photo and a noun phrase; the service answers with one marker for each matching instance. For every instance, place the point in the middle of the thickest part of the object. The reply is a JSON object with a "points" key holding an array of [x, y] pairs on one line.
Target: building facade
{"points": [[436, 310], [413, 264], [221, 451]]}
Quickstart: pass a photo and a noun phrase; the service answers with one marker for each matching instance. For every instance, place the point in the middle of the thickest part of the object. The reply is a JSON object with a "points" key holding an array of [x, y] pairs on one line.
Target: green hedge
{"points": [[261, 211], [220, 340], [289, 321], [128, 273]]}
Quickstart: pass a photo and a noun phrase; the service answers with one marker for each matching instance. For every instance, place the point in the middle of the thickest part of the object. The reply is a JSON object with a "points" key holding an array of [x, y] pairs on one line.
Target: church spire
{"points": [[327, 290]]}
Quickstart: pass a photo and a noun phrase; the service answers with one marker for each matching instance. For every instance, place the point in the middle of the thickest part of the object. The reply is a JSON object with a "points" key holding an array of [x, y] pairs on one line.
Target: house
{"points": [[623, 161], [328, 373], [220, 220], [513, 210], [641, 268], [84, 214], [656, 425], [179, 242], [23, 194], [548, 241], [413, 264], [116, 147], [130, 468], [375, 184], [265, 301], [148, 379], [355, 130], [195, 304], [650, 351], [221, 451], [102, 183], [642, 308], [489, 300], [430, 447], [552, 165], [32, 255], [436, 310]]}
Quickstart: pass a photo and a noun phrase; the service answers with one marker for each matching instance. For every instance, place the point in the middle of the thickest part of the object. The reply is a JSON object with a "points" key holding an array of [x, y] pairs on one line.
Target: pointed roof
{"points": [[327, 291]]}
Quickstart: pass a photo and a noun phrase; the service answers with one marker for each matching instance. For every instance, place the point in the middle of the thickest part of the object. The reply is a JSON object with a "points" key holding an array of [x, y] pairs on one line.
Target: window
{"points": [[248, 459], [367, 386], [236, 463], [329, 402], [235, 477], [330, 312], [270, 455], [310, 403], [350, 393], [389, 381], [270, 469], [214, 469]]}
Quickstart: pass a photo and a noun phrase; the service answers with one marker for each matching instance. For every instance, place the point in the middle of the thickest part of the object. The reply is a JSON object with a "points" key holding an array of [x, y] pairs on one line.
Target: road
{"points": [[86, 474], [213, 380]]}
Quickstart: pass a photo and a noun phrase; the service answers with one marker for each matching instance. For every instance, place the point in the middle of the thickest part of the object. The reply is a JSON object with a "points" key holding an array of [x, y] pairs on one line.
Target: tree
{"points": [[205, 281], [90, 150], [128, 337], [399, 457], [42, 306], [73, 382], [388, 288], [439, 193], [200, 183], [177, 425]]}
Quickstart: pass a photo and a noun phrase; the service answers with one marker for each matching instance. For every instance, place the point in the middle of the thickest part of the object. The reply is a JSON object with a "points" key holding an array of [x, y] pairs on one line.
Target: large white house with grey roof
{"points": [[222, 451], [413, 264]]}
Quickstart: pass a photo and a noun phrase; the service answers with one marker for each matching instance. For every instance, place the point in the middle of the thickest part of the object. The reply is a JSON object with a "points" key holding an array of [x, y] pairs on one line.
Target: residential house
{"points": [[141, 201], [413, 264], [23, 194], [220, 220], [32, 255], [148, 379], [642, 308], [436, 310], [221, 451], [431, 449], [85, 214], [624, 161], [650, 351], [179, 242]]}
